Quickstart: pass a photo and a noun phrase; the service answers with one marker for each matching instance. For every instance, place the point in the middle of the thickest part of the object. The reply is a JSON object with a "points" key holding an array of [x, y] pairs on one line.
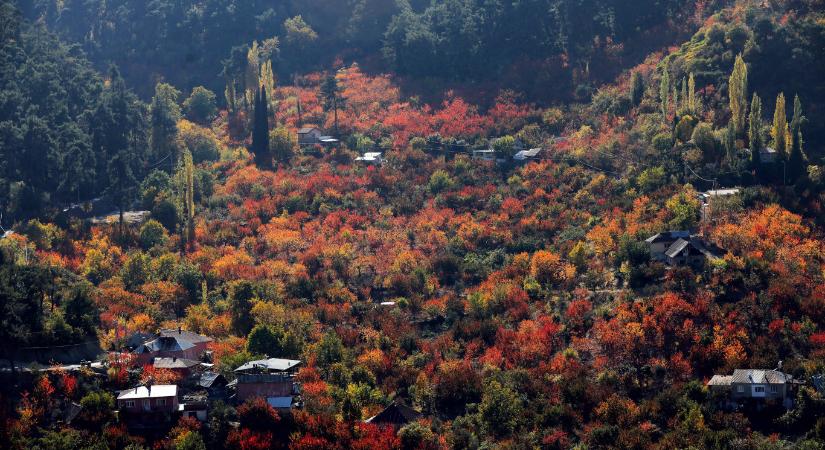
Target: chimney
{"points": [[779, 365], [179, 329]]}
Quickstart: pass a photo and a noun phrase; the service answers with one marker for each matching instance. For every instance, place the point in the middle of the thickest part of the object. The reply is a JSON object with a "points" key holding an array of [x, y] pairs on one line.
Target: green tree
{"points": [[779, 129], [200, 106], [637, 88], [191, 440], [241, 295], [330, 96], [282, 144], [264, 340], [97, 409], [500, 409], [796, 159], [186, 200], [755, 129], [664, 91], [152, 233], [165, 114], [738, 94], [329, 350], [505, 146]]}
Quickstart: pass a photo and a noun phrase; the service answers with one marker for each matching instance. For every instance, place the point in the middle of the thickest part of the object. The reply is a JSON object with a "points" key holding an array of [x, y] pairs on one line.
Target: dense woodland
{"points": [[522, 308]]}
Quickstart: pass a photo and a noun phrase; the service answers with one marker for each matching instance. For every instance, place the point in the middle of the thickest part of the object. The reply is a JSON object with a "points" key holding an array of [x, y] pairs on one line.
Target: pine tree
{"points": [[331, 97], [755, 129], [780, 125], [738, 94], [637, 88], [260, 132]]}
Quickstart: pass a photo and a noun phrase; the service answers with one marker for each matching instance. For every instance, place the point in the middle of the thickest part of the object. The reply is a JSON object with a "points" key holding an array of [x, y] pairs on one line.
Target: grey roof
{"points": [[165, 344], [526, 154], [154, 391], [760, 376], [271, 364], [209, 379], [138, 339], [305, 130], [720, 380], [185, 335], [677, 247], [666, 236], [174, 363]]}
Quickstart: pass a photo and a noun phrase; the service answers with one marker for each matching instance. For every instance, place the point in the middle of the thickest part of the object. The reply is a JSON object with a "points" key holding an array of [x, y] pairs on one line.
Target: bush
{"points": [[152, 233], [200, 106]]}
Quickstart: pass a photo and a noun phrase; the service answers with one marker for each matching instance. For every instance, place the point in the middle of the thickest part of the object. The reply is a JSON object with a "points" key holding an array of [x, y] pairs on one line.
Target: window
{"points": [[129, 403], [740, 389], [161, 401], [759, 389], [774, 389]]}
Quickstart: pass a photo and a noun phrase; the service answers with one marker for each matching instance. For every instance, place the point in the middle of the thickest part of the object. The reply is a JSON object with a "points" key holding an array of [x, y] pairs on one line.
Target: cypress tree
{"points": [[260, 132], [692, 106], [637, 89], [738, 94]]}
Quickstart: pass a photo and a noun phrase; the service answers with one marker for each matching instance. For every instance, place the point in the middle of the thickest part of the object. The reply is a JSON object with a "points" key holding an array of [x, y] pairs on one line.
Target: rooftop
{"points": [[527, 154], [186, 335], [271, 364], [665, 236], [174, 363], [154, 391]]}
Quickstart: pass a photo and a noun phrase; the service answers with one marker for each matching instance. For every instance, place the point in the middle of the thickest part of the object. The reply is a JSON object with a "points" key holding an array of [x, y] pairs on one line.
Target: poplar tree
{"points": [[796, 159], [780, 125], [738, 94], [664, 92], [691, 95], [252, 74], [755, 128], [186, 199]]}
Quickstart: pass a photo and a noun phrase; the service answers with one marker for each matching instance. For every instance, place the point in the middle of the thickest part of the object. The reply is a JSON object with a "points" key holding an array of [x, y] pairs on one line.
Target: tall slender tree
{"points": [[260, 132], [779, 132], [738, 94], [664, 91], [186, 199], [165, 116], [637, 88], [755, 129], [796, 159]]}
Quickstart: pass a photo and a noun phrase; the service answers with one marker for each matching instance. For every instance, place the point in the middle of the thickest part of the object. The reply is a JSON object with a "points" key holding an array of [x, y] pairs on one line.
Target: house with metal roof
{"points": [[371, 158], [660, 242], [692, 251], [151, 399], [761, 384], [172, 343], [267, 378]]}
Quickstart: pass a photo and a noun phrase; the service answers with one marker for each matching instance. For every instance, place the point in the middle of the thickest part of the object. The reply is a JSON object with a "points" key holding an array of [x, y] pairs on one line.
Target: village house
{"points": [[194, 406], [484, 154], [272, 379], [680, 248], [767, 155], [309, 136], [181, 366], [172, 343], [159, 401], [770, 386]]}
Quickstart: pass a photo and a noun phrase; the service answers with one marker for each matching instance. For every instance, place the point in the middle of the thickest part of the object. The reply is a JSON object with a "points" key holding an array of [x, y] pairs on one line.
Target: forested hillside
{"points": [[571, 45], [412, 225]]}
